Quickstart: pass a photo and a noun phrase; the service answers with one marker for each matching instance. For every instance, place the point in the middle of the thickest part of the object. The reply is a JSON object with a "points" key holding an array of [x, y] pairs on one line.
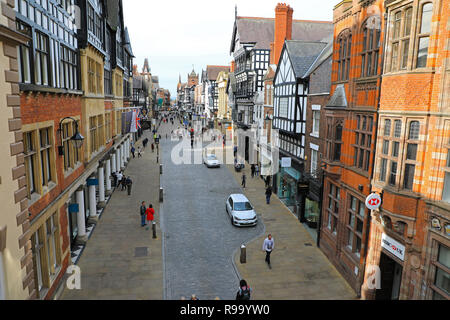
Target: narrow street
{"points": [[199, 238]]}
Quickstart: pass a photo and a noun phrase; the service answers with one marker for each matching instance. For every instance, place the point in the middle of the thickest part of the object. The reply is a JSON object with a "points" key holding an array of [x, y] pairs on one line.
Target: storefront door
{"points": [[391, 275]]}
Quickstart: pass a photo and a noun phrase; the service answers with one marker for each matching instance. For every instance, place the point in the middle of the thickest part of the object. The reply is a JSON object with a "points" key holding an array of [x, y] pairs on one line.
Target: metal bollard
{"points": [[243, 254], [160, 169], [161, 194], [154, 229]]}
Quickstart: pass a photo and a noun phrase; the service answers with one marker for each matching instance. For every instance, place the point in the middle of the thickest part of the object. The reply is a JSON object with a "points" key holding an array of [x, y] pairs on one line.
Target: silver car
{"points": [[211, 161], [241, 211]]}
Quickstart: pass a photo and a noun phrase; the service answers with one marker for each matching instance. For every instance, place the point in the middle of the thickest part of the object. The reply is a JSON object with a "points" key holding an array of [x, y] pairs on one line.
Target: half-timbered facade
{"points": [[290, 100]]}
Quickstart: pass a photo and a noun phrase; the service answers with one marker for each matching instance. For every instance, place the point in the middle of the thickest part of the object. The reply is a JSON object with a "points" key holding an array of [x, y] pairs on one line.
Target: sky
{"points": [[176, 34]]}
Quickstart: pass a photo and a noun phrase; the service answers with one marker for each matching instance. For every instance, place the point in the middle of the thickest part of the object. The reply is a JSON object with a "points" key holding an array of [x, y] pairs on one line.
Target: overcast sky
{"points": [[176, 34]]}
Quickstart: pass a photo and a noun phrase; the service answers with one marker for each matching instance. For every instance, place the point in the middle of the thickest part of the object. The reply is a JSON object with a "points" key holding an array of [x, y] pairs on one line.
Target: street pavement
{"points": [[199, 238], [300, 271], [121, 260], [197, 249]]}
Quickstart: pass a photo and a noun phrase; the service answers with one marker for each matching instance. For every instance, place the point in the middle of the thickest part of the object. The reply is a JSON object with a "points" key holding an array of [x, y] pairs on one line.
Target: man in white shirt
{"points": [[119, 177], [268, 246]]}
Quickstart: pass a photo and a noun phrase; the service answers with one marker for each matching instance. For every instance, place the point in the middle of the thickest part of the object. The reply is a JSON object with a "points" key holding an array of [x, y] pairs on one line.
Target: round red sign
{"points": [[373, 201]]}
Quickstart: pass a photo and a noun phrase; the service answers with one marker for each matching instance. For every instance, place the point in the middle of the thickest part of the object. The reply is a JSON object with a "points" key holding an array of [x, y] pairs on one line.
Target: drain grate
{"points": [[140, 252], [308, 244]]}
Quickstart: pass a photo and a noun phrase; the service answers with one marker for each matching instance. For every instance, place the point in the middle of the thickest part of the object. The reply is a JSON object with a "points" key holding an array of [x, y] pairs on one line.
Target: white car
{"points": [[241, 211], [211, 161]]}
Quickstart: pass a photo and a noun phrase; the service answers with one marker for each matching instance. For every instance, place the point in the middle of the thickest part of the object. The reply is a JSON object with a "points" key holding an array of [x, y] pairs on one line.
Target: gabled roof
{"points": [[303, 54], [339, 99], [261, 31], [127, 43], [213, 71], [325, 54]]}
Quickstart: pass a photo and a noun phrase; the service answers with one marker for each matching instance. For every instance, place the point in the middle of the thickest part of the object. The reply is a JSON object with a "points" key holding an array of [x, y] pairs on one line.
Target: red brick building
{"points": [[412, 166], [350, 135]]}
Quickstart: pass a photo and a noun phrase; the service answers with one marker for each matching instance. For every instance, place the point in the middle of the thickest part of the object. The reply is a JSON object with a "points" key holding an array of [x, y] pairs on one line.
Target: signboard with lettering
{"points": [[393, 246]]}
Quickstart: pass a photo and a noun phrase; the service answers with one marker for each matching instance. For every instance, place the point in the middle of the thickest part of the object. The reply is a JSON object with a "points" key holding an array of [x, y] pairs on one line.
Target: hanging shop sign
{"points": [[393, 246], [373, 201]]}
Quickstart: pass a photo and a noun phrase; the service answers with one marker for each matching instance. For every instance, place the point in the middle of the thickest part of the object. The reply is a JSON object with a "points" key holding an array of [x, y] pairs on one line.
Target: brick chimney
{"points": [[283, 28], [232, 66]]}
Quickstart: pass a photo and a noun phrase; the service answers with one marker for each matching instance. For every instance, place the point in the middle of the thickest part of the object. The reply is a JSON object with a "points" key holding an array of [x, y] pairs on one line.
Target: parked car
{"points": [[211, 161], [240, 210]]}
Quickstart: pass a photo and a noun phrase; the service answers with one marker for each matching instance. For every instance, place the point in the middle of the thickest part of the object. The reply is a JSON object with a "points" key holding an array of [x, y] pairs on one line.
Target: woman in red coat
{"points": [[150, 212]]}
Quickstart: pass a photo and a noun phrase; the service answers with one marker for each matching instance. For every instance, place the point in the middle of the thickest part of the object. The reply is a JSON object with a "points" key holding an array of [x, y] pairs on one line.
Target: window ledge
{"points": [[315, 135], [47, 189], [47, 89], [70, 171]]}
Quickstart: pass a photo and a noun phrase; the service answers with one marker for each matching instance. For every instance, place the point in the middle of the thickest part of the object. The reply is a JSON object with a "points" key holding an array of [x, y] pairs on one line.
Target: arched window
{"points": [[345, 46], [371, 47], [423, 35]]}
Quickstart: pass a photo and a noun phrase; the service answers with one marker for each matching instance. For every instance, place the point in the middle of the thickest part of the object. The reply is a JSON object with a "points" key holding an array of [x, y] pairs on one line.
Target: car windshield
{"points": [[212, 157], [242, 206]]}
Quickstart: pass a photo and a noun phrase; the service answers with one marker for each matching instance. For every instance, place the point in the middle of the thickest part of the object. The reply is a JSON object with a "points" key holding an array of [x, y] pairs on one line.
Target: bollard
{"points": [[160, 169], [243, 254], [161, 194], [154, 229]]}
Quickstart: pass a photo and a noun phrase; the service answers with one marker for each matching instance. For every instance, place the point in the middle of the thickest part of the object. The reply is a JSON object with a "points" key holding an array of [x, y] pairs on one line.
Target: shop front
{"points": [[287, 180]]}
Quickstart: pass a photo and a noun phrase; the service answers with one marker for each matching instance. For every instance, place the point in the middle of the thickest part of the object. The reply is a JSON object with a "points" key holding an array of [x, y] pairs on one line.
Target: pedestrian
{"points": [[244, 291], [133, 150], [139, 152], [268, 194], [129, 183], [267, 181], [144, 143], [235, 151], [253, 170], [194, 297], [115, 178], [244, 179], [256, 170], [153, 147], [268, 246], [142, 211], [119, 178], [150, 214]]}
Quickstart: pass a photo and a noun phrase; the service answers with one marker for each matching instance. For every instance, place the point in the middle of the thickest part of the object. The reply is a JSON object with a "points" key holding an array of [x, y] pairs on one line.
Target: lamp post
{"points": [[77, 139]]}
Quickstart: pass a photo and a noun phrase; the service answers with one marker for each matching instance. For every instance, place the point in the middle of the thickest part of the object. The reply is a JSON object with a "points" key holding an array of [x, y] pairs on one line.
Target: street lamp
{"points": [[77, 139]]}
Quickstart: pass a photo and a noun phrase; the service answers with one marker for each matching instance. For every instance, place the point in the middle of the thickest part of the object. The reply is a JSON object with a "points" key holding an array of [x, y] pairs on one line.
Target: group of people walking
{"points": [[120, 180]]}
